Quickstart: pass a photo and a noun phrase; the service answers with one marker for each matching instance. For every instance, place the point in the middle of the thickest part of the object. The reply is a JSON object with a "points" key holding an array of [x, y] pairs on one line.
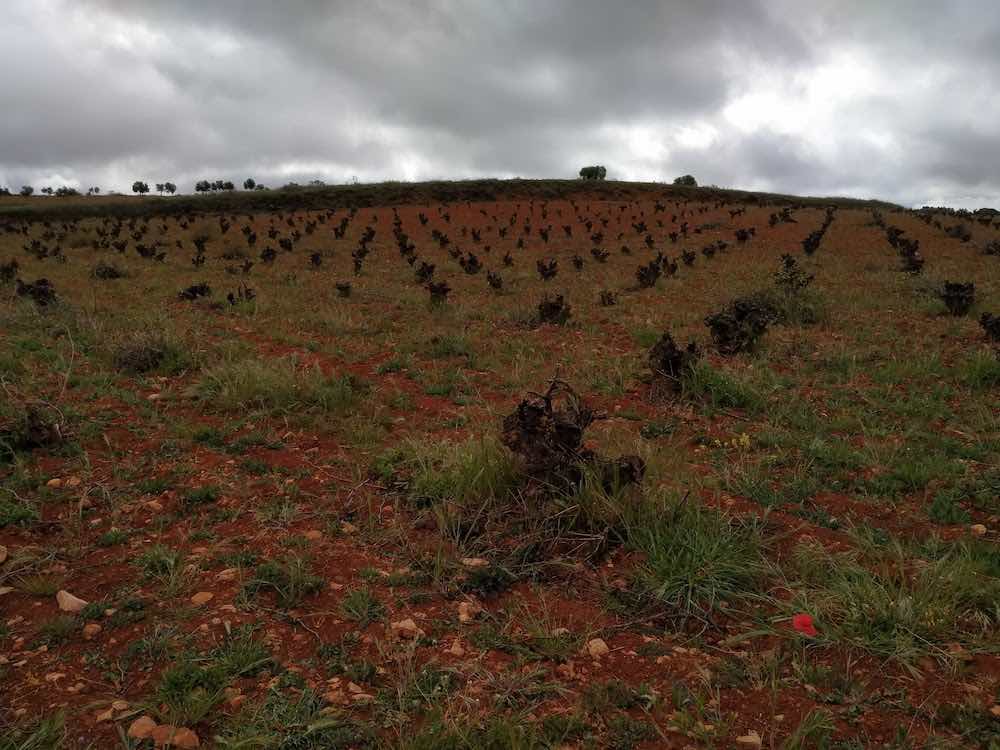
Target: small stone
{"points": [[73, 482], [596, 648], [54, 483], [750, 739], [475, 562], [141, 728], [229, 574], [69, 603], [353, 688], [90, 630], [348, 528], [995, 710], [202, 597], [406, 629], [313, 535], [456, 649], [154, 506], [186, 739], [335, 697], [119, 705], [467, 611], [167, 735], [978, 529], [54, 676], [108, 715], [362, 698]]}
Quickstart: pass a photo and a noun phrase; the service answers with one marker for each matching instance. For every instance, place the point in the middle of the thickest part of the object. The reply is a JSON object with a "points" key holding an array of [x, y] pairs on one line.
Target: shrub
{"points": [[554, 310], [107, 271], [740, 324], [671, 364], [195, 291], [8, 271], [25, 427], [991, 326], [41, 292], [146, 351], [958, 297]]}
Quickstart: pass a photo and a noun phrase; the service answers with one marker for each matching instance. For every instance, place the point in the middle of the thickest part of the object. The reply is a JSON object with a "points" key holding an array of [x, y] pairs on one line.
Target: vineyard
{"points": [[638, 469]]}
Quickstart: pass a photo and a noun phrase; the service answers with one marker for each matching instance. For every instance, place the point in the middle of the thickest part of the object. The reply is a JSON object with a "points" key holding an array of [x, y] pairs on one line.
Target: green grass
{"points": [[201, 495], [901, 614], [16, 513], [163, 565], [720, 390], [694, 559], [981, 371], [496, 733], [475, 470], [362, 606], [45, 734], [39, 584], [944, 509], [290, 581], [58, 629], [189, 690], [112, 538], [293, 722], [280, 385], [446, 346], [242, 654]]}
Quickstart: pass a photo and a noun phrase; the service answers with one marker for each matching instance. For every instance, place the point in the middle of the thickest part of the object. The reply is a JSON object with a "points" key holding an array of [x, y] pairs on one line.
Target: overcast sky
{"points": [[895, 99]]}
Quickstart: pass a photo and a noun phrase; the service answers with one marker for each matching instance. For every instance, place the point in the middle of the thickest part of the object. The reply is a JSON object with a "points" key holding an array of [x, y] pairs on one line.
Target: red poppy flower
{"points": [[804, 624]]}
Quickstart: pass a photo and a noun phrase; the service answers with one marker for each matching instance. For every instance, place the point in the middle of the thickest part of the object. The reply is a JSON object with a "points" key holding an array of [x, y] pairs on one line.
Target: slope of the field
{"points": [[371, 195], [289, 506]]}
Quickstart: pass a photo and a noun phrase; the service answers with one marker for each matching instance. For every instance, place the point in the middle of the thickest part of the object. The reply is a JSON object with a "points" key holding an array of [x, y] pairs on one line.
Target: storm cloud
{"points": [[897, 100]]}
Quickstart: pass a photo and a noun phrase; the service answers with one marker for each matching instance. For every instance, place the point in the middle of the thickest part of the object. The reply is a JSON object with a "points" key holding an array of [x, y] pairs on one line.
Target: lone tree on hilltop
{"points": [[170, 187], [202, 186], [249, 183], [27, 190], [140, 187], [686, 180], [596, 172]]}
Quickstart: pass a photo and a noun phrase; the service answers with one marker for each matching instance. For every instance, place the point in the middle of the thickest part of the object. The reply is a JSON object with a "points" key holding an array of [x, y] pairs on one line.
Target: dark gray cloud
{"points": [[896, 99]]}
